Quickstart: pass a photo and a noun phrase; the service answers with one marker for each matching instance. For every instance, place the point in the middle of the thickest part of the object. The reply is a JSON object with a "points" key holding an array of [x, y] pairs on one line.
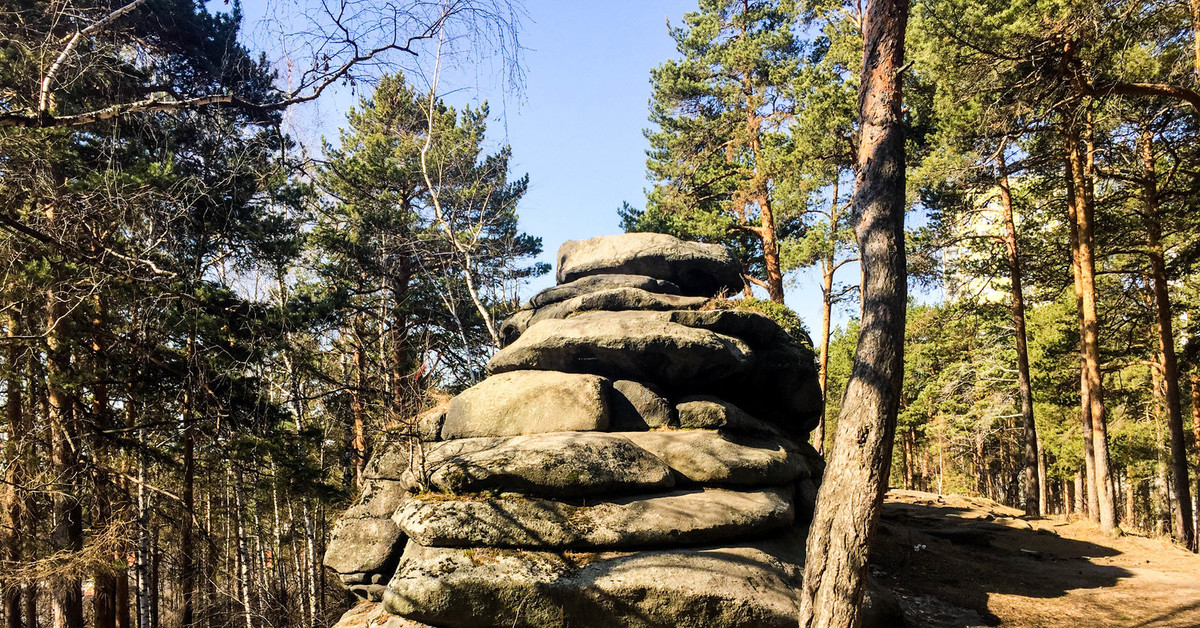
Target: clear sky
{"points": [[577, 126]]}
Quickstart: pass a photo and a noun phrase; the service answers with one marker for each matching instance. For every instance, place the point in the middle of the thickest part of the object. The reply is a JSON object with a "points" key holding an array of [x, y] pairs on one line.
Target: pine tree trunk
{"points": [[14, 480], [1195, 381], [1090, 341], [1088, 500], [1184, 530], [823, 361], [66, 590], [1030, 485], [1043, 483], [104, 602], [770, 250], [851, 495]]}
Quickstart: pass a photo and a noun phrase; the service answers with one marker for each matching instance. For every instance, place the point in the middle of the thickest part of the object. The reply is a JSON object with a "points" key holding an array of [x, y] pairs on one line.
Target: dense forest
{"points": [[207, 328]]}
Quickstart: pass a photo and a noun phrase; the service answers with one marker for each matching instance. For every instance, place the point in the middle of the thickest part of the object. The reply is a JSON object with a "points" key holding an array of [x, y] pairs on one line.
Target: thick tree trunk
{"points": [[66, 590], [1031, 483], [770, 250], [1090, 341], [1183, 529], [851, 494]]}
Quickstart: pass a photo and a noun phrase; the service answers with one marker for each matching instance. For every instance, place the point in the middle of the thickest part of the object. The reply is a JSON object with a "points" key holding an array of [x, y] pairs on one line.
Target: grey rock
{"points": [[698, 269], [617, 300], [636, 406], [671, 519], [782, 386], [627, 345], [364, 540], [740, 585], [709, 457], [556, 464], [373, 615], [363, 545], [595, 283], [429, 424], [529, 402], [514, 326], [713, 413]]}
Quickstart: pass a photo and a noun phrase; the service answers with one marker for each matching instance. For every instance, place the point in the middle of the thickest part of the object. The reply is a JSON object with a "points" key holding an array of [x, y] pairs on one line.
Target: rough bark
{"points": [[14, 476], [1031, 482], [66, 589], [1090, 340], [1088, 502], [851, 495], [1183, 528]]}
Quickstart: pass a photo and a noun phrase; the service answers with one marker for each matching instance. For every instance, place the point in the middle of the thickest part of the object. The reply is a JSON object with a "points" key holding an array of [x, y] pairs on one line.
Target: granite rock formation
{"points": [[636, 457]]}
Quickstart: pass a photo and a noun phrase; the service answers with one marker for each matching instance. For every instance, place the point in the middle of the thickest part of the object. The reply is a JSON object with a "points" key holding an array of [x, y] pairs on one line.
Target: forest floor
{"points": [[958, 561]]}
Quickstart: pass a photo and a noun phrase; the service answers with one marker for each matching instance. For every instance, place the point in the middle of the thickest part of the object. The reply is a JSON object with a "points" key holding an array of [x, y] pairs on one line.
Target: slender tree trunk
{"points": [[1030, 485], [187, 544], [358, 436], [1195, 381], [1090, 342], [1089, 458], [1183, 529], [104, 602], [823, 364], [14, 478], [851, 496], [1043, 484]]}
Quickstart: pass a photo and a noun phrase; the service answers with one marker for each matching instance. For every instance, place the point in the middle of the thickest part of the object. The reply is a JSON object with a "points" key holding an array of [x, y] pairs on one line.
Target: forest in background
{"points": [[205, 330]]}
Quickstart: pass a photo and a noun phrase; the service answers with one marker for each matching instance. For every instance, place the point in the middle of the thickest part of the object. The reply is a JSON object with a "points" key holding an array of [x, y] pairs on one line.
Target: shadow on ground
{"points": [[945, 557]]}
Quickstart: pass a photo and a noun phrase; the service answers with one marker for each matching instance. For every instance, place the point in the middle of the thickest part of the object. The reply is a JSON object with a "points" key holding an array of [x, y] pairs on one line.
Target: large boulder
{"points": [[644, 346], [529, 402], [665, 520], [709, 457], [365, 543], [731, 585], [698, 269], [560, 464], [596, 283]]}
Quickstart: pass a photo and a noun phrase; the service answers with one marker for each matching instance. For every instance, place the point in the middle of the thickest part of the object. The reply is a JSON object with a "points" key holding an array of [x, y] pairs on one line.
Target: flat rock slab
{"points": [[529, 402], [667, 520], [627, 345], [556, 465], [725, 587], [709, 457], [698, 269], [364, 540], [617, 300], [595, 283]]}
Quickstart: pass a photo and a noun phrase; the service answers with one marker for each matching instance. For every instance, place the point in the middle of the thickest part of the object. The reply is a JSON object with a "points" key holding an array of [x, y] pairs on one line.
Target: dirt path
{"points": [[958, 561]]}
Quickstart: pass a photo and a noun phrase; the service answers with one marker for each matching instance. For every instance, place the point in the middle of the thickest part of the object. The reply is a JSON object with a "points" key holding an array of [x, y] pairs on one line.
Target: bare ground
{"points": [[958, 561]]}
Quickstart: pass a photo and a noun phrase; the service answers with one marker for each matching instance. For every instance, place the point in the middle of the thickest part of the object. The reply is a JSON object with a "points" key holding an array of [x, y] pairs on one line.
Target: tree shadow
{"points": [[943, 552]]}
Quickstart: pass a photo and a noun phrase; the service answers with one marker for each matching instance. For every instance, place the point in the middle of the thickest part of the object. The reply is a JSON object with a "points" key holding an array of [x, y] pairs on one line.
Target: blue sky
{"points": [[576, 127]]}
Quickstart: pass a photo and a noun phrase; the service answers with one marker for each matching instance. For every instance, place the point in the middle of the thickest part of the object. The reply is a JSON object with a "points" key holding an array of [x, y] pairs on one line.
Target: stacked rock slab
{"points": [[636, 457]]}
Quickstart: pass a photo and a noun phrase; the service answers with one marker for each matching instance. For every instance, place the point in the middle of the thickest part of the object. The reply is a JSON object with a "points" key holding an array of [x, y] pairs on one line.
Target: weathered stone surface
{"points": [[514, 326], [429, 424], [741, 585], [709, 457], [698, 269], [782, 386], [373, 615], [595, 283], [529, 402], [364, 539], [705, 412], [617, 300], [664, 520], [636, 406], [555, 464], [627, 345]]}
